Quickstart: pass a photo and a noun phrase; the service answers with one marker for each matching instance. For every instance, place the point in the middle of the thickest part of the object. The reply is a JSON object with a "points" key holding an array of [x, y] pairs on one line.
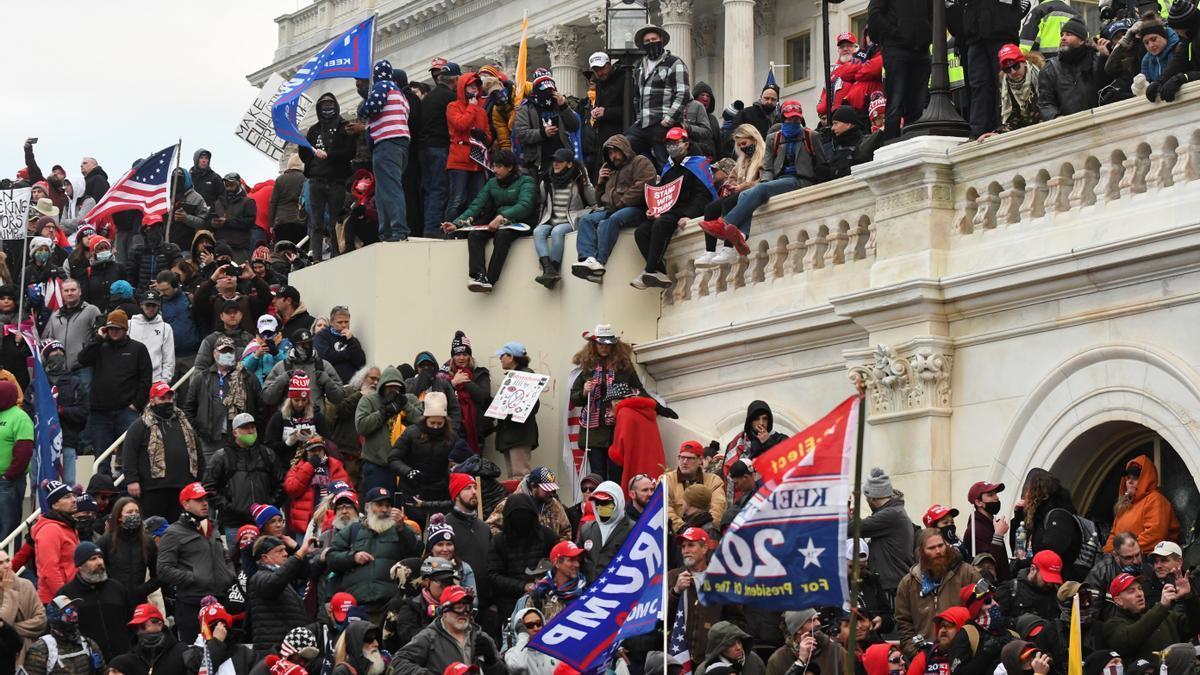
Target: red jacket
{"points": [[636, 444], [54, 544], [860, 79], [261, 194], [461, 119], [299, 488]]}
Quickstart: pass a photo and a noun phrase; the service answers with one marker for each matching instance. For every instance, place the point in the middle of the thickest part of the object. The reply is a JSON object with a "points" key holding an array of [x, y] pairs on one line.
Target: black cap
{"points": [[8, 291], [378, 495], [151, 298], [290, 293], [564, 155], [231, 306], [222, 249], [739, 469], [845, 113]]}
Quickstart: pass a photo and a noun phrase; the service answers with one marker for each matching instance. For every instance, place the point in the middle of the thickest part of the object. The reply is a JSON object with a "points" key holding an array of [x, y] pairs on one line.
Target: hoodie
{"points": [[603, 538], [375, 425], [875, 659], [1150, 516], [95, 183], [386, 107], [701, 124], [625, 186], [1010, 656], [206, 181], [16, 433], [466, 120], [722, 636], [159, 339], [520, 659], [328, 134], [354, 635], [755, 446]]}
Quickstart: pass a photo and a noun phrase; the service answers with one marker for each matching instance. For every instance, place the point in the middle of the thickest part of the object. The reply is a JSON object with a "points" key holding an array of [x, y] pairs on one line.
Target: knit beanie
{"points": [[1095, 662], [795, 619], [299, 382], [55, 491], [85, 551], [1075, 27], [439, 530], [459, 482], [879, 485], [297, 640], [120, 289], [263, 513], [461, 344], [697, 496], [1182, 14], [1152, 27]]}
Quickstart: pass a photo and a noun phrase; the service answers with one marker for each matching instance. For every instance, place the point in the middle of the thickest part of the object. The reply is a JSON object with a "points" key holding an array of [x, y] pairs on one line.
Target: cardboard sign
{"points": [[517, 395], [661, 198], [14, 212], [257, 127]]}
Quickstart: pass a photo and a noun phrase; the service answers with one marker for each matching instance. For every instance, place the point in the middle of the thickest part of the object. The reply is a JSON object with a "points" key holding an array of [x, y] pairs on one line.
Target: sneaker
{"points": [[726, 256], [478, 284], [587, 268], [639, 282], [735, 237], [595, 278], [706, 260], [656, 280]]}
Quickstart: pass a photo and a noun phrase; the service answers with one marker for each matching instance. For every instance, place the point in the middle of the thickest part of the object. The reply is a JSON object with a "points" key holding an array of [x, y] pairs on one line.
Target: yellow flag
{"points": [[522, 57], [1075, 649]]}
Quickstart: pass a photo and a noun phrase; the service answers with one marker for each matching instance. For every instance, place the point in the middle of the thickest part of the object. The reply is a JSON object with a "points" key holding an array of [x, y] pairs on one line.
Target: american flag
{"points": [[677, 646], [143, 189], [573, 456]]}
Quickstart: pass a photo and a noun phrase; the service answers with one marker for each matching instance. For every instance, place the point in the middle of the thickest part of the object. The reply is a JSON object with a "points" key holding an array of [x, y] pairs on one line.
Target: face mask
{"points": [[41, 256], [163, 409], [226, 359], [605, 509], [103, 256], [438, 432], [247, 439], [302, 353], [151, 640], [992, 618], [654, 50], [949, 535], [328, 109], [132, 522], [746, 149], [791, 128], [56, 364], [1118, 669], [676, 150], [993, 508], [85, 527], [1132, 569]]}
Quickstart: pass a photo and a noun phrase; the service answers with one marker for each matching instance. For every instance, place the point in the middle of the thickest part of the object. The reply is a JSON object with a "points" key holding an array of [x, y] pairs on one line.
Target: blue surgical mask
{"points": [[226, 359], [103, 256]]}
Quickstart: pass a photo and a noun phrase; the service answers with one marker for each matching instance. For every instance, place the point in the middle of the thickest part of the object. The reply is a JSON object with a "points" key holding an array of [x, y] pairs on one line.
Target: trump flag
{"points": [[786, 549]]}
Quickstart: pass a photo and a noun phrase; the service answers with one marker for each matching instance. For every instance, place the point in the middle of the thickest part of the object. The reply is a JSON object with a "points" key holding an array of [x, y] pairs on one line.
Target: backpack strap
{"points": [[972, 637]]}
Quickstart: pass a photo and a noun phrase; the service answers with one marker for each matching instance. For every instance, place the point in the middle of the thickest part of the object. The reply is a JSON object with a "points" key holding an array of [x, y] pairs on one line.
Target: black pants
{"points": [[163, 502], [324, 195], [292, 232], [600, 464], [653, 237], [649, 141], [477, 244], [187, 619], [715, 210], [906, 86], [982, 65]]}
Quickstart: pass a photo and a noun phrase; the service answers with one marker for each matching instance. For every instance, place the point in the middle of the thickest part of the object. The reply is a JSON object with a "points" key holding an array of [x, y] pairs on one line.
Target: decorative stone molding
{"points": [[914, 379], [764, 17], [598, 17], [562, 42], [505, 56], [675, 11]]}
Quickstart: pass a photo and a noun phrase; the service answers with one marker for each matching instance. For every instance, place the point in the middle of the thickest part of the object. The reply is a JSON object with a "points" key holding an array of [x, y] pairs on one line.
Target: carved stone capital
{"points": [[913, 379], [505, 57], [704, 36], [675, 11], [599, 20], [764, 17], [562, 42]]}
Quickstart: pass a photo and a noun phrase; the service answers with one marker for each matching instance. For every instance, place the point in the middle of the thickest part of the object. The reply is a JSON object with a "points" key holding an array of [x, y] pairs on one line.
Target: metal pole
{"points": [[940, 118], [627, 98], [854, 577], [21, 291], [828, 69], [175, 199]]}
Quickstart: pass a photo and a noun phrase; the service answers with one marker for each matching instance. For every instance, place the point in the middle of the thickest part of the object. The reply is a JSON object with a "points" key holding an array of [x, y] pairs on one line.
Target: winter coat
{"points": [[203, 401], [755, 447], [204, 357], [54, 540], [1067, 88], [700, 618], [127, 563], [891, 535], [1137, 636], [159, 339], [760, 119], [285, 208], [675, 488], [855, 81], [370, 583], [135, 460], [702, 125], [238, 478], [96, 278], [600, 437], [583, 196], [511, 555], [435, 130], [85, 659], [552, 514], [206, 181], [375, 426], [260, 366], [150, 256], [600, 552], [73, 328], [282, 436], [434, 648], [511, 434], [419, 384], [195, 216], [303, 496], [346, 356], [514, 199], [520, 659], [915, 611], [906, 24], [341, 417], [626, 184], [240, 657], [168, 658], [177, 312], [1151, 516], [419, 449], [804, 161], [121, 373], [465, 119], [829, 658], [96, 182], [722, 636], [472, 544], [73, 405], [636, 444], [980, 537], [323, 379], [104, 609], [530, 133], [239, 229], [328, 134], [192, 562], [1059, 499], [983, 20], [1018, 596], [207, 308], [277, 607]]}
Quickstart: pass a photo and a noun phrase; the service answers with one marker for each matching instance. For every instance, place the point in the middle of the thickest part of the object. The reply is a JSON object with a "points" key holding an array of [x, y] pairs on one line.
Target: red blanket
{"points": [[637, 445]]}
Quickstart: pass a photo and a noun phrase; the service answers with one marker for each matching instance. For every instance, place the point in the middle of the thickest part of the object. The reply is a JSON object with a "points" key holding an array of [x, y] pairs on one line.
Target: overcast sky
{"points": [[119, 80]]}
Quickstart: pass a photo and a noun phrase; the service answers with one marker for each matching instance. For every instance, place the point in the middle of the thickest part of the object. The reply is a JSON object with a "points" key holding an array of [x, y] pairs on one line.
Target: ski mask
{"points": [[654, 50], [56, 364]]}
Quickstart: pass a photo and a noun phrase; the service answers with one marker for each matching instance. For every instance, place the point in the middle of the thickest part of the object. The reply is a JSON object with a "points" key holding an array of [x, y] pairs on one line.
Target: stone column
{"points": [[677, 21], [562, 43], [740, 81], [506, 57]]}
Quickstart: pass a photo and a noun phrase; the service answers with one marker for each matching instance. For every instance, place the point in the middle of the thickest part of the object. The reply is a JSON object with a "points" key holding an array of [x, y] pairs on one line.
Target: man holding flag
{"points": [[764, 114]]}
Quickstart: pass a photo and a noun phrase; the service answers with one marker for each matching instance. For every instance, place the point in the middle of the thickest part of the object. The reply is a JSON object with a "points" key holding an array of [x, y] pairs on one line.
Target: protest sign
{"points": [[14, 212], [257, 128], [517, 396], [660, 198]]}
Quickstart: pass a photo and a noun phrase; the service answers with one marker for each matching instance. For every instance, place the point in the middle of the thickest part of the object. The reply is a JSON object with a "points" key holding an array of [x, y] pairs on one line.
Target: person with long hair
{"points": [[439, 543], [750, 149], [473, 389], [566, 194], [128, 551], [516, 440], [930, 587], [605, 362], [1040, 494]]}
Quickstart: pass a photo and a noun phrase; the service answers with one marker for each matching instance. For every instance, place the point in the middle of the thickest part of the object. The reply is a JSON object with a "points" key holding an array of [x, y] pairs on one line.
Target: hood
{"points": [[202, 235], [703, 88], [196, 157], [382, 71], [620, 142], [98, 171], [361, 196], [390, 375], [424, 356], [875, 659], [1180, 659], [337, 107], [516, 626], [78, 186], [8, 394], [608, 487], [468, 78], [100, 482], [1149, 480], [721, 636], [1010, 656], [354, 634], [755, 409], [1027, 622], [519, 501]]}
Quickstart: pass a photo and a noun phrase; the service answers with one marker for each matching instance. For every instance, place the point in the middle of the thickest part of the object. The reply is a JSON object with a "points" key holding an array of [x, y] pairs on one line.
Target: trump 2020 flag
{"points": [[786, 549], [348, 55], [47, 431], [626, 600]]}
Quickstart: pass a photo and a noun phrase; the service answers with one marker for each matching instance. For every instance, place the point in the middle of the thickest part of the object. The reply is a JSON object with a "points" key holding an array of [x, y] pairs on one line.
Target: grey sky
{"points": [[121, 79]]}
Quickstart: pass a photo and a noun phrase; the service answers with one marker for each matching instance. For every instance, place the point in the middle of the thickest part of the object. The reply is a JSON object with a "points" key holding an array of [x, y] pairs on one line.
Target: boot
{"points": [[553, 274], [549, 275]]}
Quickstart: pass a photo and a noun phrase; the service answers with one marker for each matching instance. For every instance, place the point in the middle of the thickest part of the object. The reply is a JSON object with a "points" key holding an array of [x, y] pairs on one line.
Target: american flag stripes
{"points": [[677, 646], [143, 188]]}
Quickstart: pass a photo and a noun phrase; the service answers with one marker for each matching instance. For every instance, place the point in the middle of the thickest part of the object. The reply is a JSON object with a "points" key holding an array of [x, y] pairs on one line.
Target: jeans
{"points": [[10, 505], [476, 245], [598, 232], [549, 240], [389, 158], [433, 184], [906, 86], [464, 185], [719, 209], [106, 426], [325, 200], [984, 86], [649, 141], [69, 458], [749, 200]]}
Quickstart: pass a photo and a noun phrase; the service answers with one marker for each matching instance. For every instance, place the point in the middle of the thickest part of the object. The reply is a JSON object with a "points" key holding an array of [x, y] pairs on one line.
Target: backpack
{"points": [[822, 169], [973, 636]]}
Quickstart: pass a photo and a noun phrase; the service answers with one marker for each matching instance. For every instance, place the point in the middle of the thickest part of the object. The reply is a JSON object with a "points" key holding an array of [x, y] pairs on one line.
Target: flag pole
{"points": [[24, 266], [854, 575], [171, 184]]}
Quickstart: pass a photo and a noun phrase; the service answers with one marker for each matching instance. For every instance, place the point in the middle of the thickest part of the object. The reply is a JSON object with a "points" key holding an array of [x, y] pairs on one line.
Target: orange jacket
{"points": [[462, 118], [54, 543], [1150, 517]]}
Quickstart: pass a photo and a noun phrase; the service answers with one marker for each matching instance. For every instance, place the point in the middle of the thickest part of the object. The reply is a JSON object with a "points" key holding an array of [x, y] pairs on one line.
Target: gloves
{"points": [[485, 650], [1152, 91], [393, 408], [991, 647], [1138, 87], [664, 411], [1132, 34], [414, 475], [1171, 87]]}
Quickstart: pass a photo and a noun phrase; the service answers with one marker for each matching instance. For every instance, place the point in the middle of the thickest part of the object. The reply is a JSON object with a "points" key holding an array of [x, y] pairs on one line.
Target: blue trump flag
{"points": [[786, 549], [625, 601], [349, 55], [47, 431]]}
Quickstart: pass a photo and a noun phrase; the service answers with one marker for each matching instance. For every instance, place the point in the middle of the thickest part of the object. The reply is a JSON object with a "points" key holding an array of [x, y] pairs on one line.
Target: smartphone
{"points": [[399, 501], [232, 270], [31, 141]]}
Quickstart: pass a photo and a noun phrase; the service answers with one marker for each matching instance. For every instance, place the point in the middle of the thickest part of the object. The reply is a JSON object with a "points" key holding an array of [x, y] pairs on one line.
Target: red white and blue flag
{"points": [[143, 188], [677, 646]]}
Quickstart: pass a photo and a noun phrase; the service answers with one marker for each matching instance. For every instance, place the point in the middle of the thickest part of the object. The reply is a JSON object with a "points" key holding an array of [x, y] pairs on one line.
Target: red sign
{"points": [[660, 198], [819, 449]]}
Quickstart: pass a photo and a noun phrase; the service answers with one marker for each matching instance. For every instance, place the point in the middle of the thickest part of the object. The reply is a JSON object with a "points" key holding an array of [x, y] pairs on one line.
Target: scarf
{"points": [[565, 592], [1153, 66], [234, 385], [431, 603], [1019, 95], [156, 446], [561, 181], [791, 133], [591, 412], [470, 412], [929, 585]]}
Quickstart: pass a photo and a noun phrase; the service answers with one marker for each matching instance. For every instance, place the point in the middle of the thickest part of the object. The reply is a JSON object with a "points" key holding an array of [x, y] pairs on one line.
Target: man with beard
{"points": [[375, 417], [191, 558], [357, 651], [727, 646], [65, 649], [620, 190], [889, 529], [807, 646], [1037, 591], [689, 473], [156, 648], [472, 536], [602, 538], [16, 449], [1126, 558], [641, 491], [695, 545], [933, 658], [1137, 631], [1070, 82], [976, 648], [542, 486], [764, 114], [121, 376], [103, 604], [930, 587], [452, 637], [54, 540], [161, 454], [364, 554]]}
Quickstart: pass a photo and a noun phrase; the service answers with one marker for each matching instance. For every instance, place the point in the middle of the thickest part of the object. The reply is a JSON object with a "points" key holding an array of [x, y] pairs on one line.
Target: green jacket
{"points": [[372, 423], [1134, 636], [370, 583], [514, 201]]}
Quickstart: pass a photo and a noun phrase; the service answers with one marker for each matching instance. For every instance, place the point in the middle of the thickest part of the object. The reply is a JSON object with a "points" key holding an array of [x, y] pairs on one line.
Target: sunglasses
{"points": [[896, 659], [1012, 67], [533, 624]]}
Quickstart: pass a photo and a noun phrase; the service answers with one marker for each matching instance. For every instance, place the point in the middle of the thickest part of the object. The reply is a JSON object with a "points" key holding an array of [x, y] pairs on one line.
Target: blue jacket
{"points": [[1153, 66], [177, 311], [261, 366]]}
